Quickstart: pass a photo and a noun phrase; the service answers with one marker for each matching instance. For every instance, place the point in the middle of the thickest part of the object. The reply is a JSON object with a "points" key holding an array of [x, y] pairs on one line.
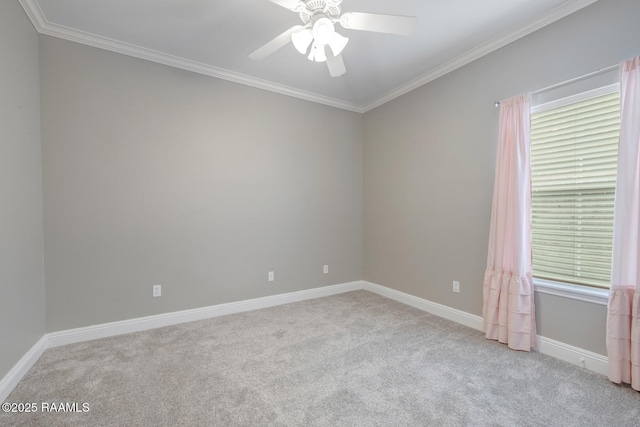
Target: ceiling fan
{"points": [[318, 38]]}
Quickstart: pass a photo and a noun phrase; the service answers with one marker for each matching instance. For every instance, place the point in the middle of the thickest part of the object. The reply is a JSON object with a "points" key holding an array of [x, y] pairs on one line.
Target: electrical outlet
{"points": [[325, 269], [271, 276], [456, 286], [157, 290]]}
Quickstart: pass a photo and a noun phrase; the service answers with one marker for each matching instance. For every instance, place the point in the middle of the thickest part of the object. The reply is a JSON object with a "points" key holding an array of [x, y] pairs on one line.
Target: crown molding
{"points": [[496, 43], [40, 23], [33, 11]]}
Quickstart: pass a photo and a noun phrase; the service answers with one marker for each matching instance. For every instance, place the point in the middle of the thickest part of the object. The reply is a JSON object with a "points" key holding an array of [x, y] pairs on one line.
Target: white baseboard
{"points": [[104, 330], [439, 310], [557, 349], [574, 355], [19, 370]]}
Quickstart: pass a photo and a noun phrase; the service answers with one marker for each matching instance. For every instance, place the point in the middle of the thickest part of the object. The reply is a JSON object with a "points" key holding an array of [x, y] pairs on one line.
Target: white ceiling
{"points": [[214, 37]]}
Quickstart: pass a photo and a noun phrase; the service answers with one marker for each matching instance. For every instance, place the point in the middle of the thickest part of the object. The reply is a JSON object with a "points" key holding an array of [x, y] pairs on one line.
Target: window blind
{"points": [[573, 174]]}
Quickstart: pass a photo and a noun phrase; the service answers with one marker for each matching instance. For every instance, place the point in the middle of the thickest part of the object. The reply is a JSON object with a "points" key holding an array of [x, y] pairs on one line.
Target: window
{"points": [[574, 147]]}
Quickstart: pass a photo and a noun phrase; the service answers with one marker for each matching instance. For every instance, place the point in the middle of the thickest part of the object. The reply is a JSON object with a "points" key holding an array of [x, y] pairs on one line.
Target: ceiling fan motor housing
{"points": [[316, 9]]}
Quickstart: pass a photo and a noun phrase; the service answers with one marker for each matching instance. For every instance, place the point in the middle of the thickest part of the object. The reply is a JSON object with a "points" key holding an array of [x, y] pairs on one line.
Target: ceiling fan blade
{"points": [[335, 64], [275, 44], [391, 24], [295, 5]]}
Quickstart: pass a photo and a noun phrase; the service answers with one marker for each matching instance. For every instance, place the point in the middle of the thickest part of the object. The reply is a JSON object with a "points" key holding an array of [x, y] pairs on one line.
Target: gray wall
{"points": [[430, 157], [154, 175], [22, 309]]}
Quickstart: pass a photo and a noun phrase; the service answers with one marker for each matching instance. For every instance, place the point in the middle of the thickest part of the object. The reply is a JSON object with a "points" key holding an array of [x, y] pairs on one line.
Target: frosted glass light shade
{"points": [[302, 40], [338, 43], [323, 31]]}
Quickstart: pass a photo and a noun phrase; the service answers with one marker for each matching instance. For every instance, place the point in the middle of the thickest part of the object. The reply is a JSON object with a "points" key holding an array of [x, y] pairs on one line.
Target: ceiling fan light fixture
{"points": [[302, 40], [323, 30], [338, 43]]}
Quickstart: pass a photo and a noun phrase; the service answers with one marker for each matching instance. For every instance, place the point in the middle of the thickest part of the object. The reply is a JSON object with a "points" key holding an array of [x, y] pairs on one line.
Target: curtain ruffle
{"points": [[623, 336], [508, 309]]}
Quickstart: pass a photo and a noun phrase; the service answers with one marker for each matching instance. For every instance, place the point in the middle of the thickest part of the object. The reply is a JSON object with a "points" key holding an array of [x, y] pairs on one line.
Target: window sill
{"points": [[578, 292]]}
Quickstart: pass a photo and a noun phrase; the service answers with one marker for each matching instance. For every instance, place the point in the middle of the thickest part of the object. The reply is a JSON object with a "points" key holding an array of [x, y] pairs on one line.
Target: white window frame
{"points": [[570, 290]]}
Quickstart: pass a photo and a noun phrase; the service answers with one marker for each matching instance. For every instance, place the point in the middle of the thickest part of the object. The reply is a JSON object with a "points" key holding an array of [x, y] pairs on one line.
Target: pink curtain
{"points": [[623, 320], [508, 308]]}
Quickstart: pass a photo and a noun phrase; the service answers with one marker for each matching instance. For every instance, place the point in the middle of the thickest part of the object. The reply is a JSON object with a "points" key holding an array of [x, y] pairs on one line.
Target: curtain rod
{"points": [[566, 82]]}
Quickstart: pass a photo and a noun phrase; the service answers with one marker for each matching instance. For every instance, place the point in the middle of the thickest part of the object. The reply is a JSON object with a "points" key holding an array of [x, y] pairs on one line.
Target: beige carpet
{"points": [[355, 359]]}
